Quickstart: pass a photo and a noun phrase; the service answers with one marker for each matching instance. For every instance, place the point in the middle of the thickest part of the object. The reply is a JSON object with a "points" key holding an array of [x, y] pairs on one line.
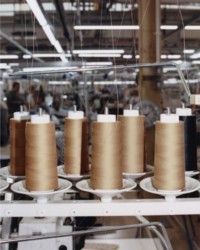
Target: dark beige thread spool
{"points": [[106, 170], [169, 171], [17, 143], [132, 143], [84, 148], [41, 155]]}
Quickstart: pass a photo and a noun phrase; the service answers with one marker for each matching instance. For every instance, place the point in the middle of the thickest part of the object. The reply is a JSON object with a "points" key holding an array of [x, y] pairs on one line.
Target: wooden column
{"points": [[147, 50]]}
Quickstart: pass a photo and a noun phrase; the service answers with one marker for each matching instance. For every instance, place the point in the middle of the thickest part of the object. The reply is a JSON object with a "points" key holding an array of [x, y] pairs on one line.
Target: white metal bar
{"points": [[181, 206]]}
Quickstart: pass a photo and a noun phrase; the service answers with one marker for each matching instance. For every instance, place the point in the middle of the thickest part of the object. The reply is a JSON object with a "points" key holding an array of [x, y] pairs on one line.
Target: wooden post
{"points": [[147, 77]]}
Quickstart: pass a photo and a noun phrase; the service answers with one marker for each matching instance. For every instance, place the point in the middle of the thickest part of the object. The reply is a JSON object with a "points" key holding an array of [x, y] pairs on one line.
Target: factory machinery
{"points": [[49, 219]]}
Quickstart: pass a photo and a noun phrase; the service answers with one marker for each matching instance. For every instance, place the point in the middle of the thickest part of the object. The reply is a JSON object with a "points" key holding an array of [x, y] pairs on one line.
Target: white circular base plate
{"points": [[106, 195], [3, 185], [133, 176], [6, 173], [41, 196], [191, 185], [191, 173], [71, 177]]}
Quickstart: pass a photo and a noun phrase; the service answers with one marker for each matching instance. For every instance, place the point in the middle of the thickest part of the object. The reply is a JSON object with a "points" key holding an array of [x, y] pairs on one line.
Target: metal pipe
{"points": [[16, 44], [134, 66], [85, 232]]}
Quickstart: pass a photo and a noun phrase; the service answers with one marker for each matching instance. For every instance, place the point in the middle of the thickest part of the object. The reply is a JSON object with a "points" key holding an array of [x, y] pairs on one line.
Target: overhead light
{"points": [[168, 27], [98, 64], [99, 55], [14, 64], [170, 56], [27, 56], [127, 56], [63, 58], [181, 6], [195, 55], [10, 13], [58, 47], [49, 34], [100, 51], [34, 6], [4, 66], [196, 62], [9, 57], [53, 55], [188, 51], [59, 82], [192, 27], [106, 27], [37, 11]]}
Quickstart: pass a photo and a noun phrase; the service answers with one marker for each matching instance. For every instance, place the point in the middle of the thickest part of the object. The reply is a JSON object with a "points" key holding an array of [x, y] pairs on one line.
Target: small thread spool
{"points": [[76, 144], [17, 143], [41, 155], [132, 142], [106, 170], [169, 173]]}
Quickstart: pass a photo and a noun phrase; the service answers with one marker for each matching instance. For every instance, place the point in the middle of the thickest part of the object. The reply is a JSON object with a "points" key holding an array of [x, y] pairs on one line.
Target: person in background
{"points": [[30, 99], [14, 100]]}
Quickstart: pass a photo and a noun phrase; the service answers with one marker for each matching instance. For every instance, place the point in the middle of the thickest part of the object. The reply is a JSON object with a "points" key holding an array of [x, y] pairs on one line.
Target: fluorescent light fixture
{"points": [[49, 33], [127, 56], [114, 82], [181, 6], [100, 51], [188, 51], [98, 64], [4, 66], [196, 62], [106, 27], [137, 56], [171, 81], [56, 55], [195, 55], [27, 56], [9, 57], [58, 82], [170, 56], [63, 58], [192, 27], [168, 27], [14, 64], [99, 55], [34, 6], [10, 13], [58, 47]]}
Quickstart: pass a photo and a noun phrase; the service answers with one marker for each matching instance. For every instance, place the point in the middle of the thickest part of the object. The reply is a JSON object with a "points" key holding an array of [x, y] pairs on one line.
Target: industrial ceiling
{"points": [[22, 35]]}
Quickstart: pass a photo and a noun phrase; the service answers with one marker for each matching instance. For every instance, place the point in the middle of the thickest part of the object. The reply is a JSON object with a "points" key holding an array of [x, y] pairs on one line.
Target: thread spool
{"points": [[190, 141], [41, 155], [169, 173], [106, 170], [132, 142], [17, 143], [76, 144]]}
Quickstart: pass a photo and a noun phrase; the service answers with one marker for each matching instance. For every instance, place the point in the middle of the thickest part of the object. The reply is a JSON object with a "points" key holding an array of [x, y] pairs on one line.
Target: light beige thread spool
{"points": [[76, 160], [41, 155], [106, 170], [169, 171], [132, 142], [17, 143], [73, 145]]}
